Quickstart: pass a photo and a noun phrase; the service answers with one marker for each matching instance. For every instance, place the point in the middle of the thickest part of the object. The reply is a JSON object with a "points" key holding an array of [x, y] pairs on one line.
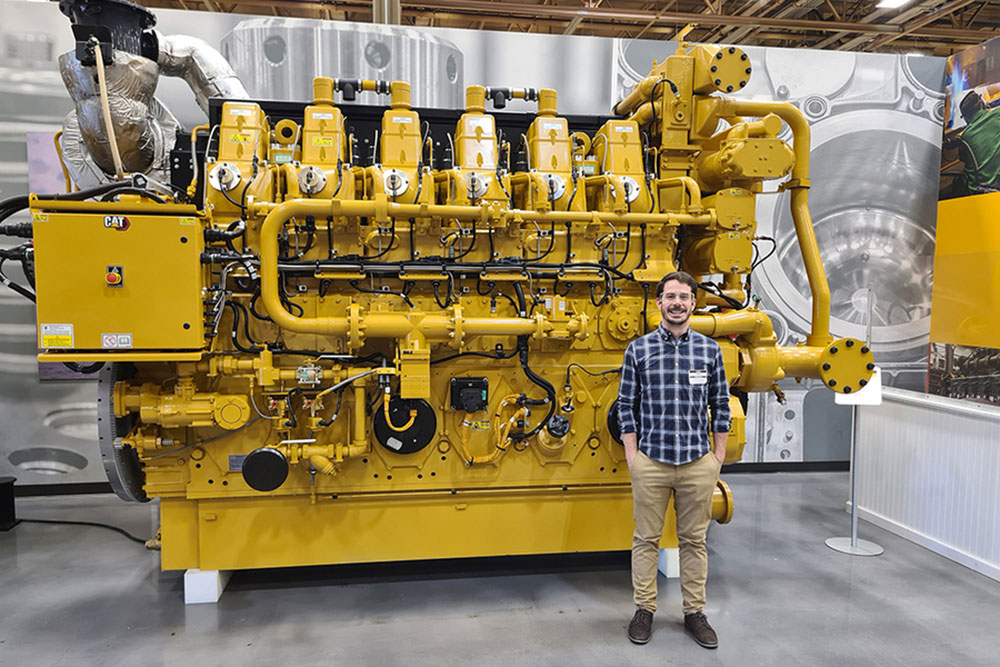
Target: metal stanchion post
{"points": [[870, 395]]}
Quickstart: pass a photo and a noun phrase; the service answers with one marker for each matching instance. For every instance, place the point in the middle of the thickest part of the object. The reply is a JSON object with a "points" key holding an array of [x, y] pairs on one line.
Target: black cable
{"points": [[93, 524], [550, 391], [367, 290], [645, 303], [572, 196], [243, 195], [552, 244], [652, 93], [336, 410], [497, 354], [712, 289], [569, 242], [85, 369], [128, 190], [628, 244], [235, 333], [471, 245], [23, 291], [413, 248], [490, 284], [590, 373], [292, 420], [392, 242], [447, 297], [510, 300], [774, 248]]}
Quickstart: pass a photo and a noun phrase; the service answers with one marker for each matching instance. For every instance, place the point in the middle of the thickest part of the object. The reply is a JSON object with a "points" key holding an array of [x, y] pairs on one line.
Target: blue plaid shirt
{"points": [[666, 386]]}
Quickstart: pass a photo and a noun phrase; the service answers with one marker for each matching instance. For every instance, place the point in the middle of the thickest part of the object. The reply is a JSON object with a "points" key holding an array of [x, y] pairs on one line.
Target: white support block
{"points": [[670, 563], [204, 587]]}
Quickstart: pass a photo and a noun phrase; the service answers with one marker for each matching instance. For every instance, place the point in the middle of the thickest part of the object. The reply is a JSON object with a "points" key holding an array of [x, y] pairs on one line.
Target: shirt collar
{"points": [[666, 335]]}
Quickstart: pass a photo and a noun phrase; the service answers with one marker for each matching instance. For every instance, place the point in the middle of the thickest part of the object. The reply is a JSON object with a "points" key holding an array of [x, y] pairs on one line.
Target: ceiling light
{"points": [[892, 4]]}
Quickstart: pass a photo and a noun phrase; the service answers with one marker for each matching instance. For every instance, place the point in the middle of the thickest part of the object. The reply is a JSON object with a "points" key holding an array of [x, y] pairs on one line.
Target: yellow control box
{"points": [[118, 282]]}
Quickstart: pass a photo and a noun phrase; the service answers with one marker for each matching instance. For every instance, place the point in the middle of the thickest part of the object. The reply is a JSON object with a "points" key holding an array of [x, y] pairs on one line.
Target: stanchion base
{"points": [[862, 548]]}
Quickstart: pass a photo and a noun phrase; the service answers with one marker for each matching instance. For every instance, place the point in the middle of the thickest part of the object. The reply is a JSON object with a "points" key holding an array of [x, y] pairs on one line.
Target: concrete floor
{"points": [[777, 596]]}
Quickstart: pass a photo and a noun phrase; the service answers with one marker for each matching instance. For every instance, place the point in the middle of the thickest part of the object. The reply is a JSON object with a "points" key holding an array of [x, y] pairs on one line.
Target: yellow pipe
{"points": [[62, 163], [730, 323], [689, 184], [399, 325], [800, 361], [193, 185], [360, 435], [640, 93], [798, 185]]}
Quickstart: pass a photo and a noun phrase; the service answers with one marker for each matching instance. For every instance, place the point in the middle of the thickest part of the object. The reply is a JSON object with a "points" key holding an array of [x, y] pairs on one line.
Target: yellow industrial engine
{"points": [[368, 334]]}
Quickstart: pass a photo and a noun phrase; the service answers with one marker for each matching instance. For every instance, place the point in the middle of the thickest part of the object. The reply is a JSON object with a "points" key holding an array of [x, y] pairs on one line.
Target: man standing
{"points": [[670, 378]]}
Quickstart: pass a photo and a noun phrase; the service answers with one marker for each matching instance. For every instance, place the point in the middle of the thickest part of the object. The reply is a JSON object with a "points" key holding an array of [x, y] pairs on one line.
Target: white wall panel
{"points": [[929, 469]]}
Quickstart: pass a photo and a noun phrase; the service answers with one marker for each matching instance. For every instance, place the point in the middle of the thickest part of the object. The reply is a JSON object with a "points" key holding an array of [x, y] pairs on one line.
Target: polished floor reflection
{"points": [[777, 596]]}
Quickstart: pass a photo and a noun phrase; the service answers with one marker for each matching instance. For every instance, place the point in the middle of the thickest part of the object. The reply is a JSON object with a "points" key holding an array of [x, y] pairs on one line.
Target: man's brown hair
{"points": [[679, 276]]}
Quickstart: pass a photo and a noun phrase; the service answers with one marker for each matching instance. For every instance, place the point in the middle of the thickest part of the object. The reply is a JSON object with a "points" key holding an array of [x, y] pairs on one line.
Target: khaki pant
{"points": [[692, 485]]}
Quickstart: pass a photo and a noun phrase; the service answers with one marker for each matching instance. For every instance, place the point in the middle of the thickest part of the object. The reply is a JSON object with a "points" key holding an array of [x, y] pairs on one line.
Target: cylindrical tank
{"points": [[277, 58]]}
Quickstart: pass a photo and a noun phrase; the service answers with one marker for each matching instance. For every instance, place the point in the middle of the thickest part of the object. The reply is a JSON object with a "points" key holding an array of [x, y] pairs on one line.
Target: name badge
{"points": [[697, 376]]}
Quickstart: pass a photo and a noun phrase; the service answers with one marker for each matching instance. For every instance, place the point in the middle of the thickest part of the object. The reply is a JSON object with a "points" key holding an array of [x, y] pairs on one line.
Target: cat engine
{"points": [[355, 333]]}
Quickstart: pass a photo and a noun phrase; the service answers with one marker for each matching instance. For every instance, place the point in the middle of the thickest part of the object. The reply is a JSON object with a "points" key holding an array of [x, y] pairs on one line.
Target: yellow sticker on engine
{"points": [[39, 217], [323, 141], [239, 138], [477, 424], [188, 221], [734, 235], [56, 335]]}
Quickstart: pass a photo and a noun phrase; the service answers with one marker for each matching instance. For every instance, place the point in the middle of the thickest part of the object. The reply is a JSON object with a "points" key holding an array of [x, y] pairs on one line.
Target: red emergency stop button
{"points": [[115, 276]]}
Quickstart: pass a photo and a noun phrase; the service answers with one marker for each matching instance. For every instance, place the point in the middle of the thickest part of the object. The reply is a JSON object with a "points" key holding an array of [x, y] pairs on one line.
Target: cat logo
{"points": [[119, 222]]}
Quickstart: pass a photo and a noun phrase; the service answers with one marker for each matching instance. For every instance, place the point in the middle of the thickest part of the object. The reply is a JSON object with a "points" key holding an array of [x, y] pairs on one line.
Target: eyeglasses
{"points": [[682, 297]]}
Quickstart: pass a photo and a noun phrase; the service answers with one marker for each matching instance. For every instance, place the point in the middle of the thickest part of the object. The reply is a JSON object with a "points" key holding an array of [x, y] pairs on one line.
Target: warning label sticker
{"points": [[56, 335], [477, 424], [239, 138], [323, 141], [39, 217], [116, 341]]}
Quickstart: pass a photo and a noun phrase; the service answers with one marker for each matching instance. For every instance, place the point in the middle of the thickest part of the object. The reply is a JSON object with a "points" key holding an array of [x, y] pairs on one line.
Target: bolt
{"points": [[847, 390], [749, 69], [729, 89], [732, 49], [718, 82], [743, 57], [714, 68], [864, 350], [719, 55], [862, 382], [870, 367], [826, 367], [742, 83], [833, 350], [849, 343], [832, 383]]}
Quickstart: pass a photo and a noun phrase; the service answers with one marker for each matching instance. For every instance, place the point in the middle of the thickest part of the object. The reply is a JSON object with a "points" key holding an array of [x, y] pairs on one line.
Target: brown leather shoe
{"points": [[641, 626], [700, 630]]}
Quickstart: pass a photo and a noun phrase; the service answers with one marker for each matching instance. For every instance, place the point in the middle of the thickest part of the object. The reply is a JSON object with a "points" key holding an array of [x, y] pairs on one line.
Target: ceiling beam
{"points": [[474, 7], [920, 22]]}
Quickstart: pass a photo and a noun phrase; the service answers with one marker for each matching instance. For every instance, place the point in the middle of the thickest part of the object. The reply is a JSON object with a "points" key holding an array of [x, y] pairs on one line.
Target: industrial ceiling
{"points": [[924, 26]]}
